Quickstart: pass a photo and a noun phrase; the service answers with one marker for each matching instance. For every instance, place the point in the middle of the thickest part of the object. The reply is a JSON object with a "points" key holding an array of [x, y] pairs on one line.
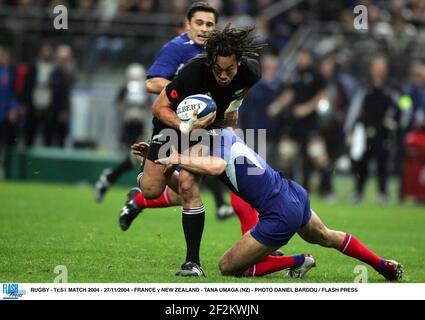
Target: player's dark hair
{"points": [[233, 41], [201, 7]]}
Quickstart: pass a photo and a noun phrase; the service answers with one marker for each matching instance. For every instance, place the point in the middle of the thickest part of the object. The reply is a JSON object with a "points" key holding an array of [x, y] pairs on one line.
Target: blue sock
{"points": [[381, 265], [299, 260]]}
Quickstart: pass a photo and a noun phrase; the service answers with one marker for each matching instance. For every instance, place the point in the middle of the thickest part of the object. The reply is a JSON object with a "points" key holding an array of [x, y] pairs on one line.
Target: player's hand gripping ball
{"points": [[202, 104]]}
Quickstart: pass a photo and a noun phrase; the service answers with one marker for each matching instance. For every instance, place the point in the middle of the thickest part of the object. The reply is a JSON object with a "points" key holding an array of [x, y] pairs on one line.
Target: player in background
{"points": [[284, 209], [298, 103], [132, 103], [201, 20]]}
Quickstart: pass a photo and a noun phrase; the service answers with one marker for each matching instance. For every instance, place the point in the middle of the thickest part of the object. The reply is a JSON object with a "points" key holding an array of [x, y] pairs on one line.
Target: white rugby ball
{"points": [[201, 102]]}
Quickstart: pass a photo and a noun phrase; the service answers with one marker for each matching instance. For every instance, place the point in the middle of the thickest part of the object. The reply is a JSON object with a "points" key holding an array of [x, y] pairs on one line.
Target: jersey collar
{"points": [[187, 40]]}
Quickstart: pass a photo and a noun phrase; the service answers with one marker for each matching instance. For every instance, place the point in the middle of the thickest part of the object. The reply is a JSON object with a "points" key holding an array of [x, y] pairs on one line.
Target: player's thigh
{"points": [[189, 183], [154, 180], [243, 254]]}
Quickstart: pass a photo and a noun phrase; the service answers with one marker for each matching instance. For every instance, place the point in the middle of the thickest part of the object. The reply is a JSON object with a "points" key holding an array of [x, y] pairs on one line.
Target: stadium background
{"points": [[47, 209]]}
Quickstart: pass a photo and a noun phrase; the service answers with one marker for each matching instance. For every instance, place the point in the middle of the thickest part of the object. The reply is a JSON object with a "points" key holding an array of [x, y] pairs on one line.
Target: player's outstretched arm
{"points": [[156, 85], [199, 165]]}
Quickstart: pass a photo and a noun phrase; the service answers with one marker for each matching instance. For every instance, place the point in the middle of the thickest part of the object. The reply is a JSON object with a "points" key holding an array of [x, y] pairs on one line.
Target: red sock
{"points": [[248, 216], [272, 264], [162, 202], [355, 249]]}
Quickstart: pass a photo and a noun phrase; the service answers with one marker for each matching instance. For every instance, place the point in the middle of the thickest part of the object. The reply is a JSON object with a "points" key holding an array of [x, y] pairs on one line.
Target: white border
{"points": [[211, 291]]}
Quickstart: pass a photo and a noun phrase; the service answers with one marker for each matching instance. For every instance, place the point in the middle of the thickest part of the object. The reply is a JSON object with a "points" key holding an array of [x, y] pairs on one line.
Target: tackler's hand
{"points": [[140, 149], [173, 159]]}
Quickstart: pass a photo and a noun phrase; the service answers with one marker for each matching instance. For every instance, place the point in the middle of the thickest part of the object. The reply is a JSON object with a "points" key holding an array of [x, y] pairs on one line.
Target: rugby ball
{"points": [[201, 102]]}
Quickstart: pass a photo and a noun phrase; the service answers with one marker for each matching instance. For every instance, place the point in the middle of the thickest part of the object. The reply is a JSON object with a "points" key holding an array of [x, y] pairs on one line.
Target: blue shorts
{"points": [[286, 213]]}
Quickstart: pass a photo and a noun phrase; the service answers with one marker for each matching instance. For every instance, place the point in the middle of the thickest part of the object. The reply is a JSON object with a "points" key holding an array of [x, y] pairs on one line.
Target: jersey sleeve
{"points": [[167, 63], [186, 83]]}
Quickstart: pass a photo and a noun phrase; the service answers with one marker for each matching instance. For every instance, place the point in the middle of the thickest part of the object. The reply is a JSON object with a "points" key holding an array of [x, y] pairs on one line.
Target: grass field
{"points": [[45, 225]]}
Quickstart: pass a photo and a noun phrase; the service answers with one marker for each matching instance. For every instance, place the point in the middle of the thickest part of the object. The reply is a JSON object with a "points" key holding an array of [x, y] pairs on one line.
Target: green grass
{"points": [[42, 226]]}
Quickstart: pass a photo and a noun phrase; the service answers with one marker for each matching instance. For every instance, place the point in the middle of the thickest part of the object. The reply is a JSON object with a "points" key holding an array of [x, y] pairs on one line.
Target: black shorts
{"points": [[164, 137]]}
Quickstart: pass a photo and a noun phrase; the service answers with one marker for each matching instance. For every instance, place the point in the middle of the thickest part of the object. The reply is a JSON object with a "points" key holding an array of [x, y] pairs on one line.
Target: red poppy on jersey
{"points": [[174, 94]]}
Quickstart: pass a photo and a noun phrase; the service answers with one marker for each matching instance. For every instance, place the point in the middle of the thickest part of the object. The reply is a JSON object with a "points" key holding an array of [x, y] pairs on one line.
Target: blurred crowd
{"points": [[395, 24], [337, 103], [322, 119], [412, 11], [35, 97]]}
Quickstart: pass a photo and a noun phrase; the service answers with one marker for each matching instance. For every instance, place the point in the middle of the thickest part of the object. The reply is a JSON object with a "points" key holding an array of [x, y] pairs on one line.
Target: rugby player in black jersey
{"points": [[228, 69]]}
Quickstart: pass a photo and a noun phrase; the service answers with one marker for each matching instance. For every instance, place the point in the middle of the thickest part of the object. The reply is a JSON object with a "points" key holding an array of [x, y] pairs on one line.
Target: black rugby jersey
{"points": [[196, 78]]}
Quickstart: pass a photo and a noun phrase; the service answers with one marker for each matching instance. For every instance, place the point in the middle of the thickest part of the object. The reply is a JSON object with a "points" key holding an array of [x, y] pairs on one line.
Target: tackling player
{"points": [[284, 209]]}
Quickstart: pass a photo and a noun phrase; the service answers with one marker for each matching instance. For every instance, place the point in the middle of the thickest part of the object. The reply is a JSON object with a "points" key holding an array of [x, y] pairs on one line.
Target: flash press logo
{"points": [[11, 291]]}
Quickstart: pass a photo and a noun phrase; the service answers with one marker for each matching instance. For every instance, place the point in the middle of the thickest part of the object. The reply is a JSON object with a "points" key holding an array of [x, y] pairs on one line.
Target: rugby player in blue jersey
{"points": [[283, 206]]}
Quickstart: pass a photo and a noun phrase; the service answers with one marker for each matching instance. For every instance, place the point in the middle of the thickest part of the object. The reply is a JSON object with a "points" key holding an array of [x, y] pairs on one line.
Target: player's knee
{"points": [[150, 192], [189, 188], [227, 268], [222, 265], [186, 190]]}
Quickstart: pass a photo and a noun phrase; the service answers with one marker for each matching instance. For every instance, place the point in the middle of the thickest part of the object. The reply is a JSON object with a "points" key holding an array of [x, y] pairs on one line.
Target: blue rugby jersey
{"points": [[173, 56], [247, 174]]}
